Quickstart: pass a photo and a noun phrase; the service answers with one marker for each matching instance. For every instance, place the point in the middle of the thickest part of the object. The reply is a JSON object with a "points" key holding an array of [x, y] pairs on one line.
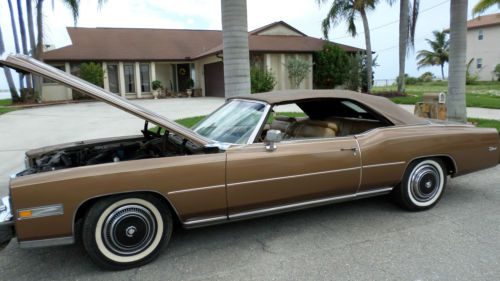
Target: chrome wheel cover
{"points": [[128, 230], [425, 182]]}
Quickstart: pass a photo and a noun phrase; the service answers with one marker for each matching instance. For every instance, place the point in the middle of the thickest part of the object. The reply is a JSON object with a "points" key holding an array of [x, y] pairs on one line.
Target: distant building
{"points": [[483, 46], [134, 57]]}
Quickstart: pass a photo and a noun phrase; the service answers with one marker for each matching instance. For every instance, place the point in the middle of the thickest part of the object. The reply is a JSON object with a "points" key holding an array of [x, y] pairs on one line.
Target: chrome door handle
{"points": [[353, 149]]}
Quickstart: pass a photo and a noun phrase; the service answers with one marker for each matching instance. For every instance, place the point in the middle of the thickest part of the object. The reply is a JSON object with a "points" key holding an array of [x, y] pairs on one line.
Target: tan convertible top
{"points": [[385, 107]]}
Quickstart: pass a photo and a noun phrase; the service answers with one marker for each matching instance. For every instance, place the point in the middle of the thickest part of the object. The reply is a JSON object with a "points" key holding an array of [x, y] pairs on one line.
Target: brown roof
{"points": [[271, 25], [393, 112], [170, 44], [483, 21]]}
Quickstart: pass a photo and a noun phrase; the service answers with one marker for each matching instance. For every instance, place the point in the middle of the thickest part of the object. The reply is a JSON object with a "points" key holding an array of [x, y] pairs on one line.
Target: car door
{"points": [[297, 172]]}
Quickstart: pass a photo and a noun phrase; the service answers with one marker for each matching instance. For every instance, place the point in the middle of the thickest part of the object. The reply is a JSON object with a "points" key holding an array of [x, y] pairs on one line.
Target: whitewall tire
{"points": [[423, 184], [126, 231]]}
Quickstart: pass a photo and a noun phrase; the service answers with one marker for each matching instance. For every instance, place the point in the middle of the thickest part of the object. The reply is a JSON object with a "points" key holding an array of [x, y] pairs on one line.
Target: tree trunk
{"points": [[235, 47], [369, 59], [442, 71], [38, 81], [456, 74], [403, 42], [16, 39], [22, 30], [31, 27]]}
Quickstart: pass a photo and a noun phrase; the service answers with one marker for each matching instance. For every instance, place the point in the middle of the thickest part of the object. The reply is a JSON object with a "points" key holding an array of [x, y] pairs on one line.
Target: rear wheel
{"points": [[126, 231], [422, 186]]}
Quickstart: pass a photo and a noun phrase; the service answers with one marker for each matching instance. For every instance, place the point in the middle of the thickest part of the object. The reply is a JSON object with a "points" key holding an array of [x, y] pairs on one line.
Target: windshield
{"points": [[232, 123]]}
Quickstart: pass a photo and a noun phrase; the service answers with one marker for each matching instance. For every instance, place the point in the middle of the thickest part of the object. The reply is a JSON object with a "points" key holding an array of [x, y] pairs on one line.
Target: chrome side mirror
{"points": [[272, 137]]}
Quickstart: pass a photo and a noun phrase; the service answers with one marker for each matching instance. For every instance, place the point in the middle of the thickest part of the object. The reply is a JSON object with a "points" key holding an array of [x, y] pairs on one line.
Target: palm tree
{"points": [[16, 39], [24, 41], [456, 110], [348, 10], [438, 55], [235, 47], [408, 14], [483, 5]]}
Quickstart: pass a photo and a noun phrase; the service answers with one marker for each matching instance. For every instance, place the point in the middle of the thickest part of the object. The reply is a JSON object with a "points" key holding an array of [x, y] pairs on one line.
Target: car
{"points": [[122, 196]]}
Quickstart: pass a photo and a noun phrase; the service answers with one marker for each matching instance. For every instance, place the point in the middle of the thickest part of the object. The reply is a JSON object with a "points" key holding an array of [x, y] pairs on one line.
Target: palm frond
{"points": [[483, 5], [74, 6]]}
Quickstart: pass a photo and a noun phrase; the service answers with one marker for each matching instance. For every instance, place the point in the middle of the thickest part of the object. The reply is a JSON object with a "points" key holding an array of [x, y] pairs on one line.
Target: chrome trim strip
{"points": [[384, 164], [42, 211], [196, 189], [294, 176], [47, 242], [308, 204], [203, 222]]}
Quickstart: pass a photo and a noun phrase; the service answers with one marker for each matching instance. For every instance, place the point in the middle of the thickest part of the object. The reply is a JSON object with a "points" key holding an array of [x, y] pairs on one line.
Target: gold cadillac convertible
{"points": [[121, 196]]}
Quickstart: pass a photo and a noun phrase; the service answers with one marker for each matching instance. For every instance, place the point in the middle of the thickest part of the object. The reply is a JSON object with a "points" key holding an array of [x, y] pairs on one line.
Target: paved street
{"points": [[369, 239]]}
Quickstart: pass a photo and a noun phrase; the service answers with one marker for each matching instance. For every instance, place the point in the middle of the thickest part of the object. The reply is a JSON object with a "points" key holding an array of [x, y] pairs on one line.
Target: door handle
{"points": [[353, 149]]}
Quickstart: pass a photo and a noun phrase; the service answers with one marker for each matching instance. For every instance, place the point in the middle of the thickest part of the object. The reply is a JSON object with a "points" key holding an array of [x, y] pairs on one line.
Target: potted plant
{"points": [[157, 87], [190, 85]]}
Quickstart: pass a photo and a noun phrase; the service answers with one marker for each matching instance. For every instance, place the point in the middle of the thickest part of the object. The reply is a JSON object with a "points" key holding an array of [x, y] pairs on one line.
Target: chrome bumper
{"points": [[6, 221]]}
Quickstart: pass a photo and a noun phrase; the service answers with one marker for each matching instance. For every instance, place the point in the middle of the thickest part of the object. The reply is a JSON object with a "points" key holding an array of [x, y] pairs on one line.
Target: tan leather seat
{"points": [[347, 127], [313, 129], [284, 124]]}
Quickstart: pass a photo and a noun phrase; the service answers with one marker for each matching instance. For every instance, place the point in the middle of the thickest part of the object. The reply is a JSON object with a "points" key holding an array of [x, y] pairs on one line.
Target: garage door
{"points": [[214, 79]]}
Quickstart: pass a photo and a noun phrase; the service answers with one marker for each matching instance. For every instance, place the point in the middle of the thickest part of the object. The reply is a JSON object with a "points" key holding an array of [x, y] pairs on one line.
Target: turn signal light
{"points": [[25, 214]]}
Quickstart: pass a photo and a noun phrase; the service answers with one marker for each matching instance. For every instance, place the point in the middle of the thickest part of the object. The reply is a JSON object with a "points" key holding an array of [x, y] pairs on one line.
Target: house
{"points": [[483, 46], [132, 58]]}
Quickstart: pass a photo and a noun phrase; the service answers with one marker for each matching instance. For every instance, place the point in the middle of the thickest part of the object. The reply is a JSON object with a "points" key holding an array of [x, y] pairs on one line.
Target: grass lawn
{"points": [[4, 103], [482, 94], [482, 123]]}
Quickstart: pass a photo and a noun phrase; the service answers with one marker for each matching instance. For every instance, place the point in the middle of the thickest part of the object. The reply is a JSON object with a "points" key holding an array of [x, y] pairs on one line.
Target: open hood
{"points": [[27, 64]]}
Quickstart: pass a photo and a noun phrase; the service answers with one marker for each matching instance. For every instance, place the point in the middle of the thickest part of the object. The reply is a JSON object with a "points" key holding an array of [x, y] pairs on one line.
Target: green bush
{"points": [[261, 80], [353, 80], [297, 71], [331, 67], [92, 72], [409, 80], [497, 71], [427, 77]]}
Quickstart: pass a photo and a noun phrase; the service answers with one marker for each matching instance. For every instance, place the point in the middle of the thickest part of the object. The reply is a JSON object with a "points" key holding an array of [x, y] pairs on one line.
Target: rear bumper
{"points": [[6, 221]]}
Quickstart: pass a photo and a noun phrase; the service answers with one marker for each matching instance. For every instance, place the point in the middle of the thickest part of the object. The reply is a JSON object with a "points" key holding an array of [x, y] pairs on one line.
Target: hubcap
{"points": [[424, 183], [128, 230]]}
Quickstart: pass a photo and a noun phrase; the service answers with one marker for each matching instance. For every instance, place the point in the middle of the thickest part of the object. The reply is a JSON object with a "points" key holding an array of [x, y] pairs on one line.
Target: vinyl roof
{"points": [[385, 107]]}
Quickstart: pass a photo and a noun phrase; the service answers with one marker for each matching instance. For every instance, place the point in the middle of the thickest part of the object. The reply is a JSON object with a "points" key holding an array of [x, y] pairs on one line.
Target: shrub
{"points": [[497, 71], [297, 71], [353, 80], [427, 77], [331, 67], [409, 80], [261, 80], [156, 85], [92, 72]]}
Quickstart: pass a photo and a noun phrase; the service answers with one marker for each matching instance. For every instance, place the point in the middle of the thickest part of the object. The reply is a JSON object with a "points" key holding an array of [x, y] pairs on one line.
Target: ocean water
{"points": [[4, 95]]}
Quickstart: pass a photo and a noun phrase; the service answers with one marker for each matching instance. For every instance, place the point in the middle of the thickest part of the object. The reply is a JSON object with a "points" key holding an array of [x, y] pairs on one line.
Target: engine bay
{"points": [[151, 145]]}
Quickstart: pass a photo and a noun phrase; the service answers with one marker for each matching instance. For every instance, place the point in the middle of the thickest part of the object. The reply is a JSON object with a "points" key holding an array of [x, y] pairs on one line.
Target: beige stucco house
{"points": [[483, 46], [132, 58]]}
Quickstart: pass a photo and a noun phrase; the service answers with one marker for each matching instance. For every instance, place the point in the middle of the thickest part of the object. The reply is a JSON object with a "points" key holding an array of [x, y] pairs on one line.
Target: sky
{"points": [[305, 15]]}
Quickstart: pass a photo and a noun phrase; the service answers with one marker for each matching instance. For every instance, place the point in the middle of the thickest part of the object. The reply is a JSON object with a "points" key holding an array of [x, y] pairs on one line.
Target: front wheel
{"points": [[422, 186], [126, 231]]}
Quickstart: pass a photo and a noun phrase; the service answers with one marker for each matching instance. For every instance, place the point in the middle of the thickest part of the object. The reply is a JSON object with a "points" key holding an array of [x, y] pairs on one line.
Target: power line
{"points": [[396, 21]]}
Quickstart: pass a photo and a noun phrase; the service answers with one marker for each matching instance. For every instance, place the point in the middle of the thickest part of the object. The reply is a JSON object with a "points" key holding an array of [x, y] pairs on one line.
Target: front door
{"points": [[183, 75], [296, 172]]}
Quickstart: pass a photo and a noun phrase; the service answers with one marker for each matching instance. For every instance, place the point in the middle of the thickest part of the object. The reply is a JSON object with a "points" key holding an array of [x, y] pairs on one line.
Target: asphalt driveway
{"points": [[368, 239]]}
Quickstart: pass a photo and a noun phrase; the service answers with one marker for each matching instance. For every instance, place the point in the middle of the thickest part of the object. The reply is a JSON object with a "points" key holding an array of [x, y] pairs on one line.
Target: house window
{"points": [[479, 63], [129, 73], [112, 70], [480, 35], [145, 80], [58, 66]]}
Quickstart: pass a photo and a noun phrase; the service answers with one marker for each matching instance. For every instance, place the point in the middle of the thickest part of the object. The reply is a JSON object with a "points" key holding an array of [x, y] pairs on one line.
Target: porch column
{"points": [[310, 84], [121, 79], [138, 80], [69, 92], [153, 71], [267, 61], [283, 71], [105, 78]]}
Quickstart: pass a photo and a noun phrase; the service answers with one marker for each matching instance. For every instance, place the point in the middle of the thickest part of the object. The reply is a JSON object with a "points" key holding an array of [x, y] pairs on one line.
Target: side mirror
{"points": [[272, 137]]}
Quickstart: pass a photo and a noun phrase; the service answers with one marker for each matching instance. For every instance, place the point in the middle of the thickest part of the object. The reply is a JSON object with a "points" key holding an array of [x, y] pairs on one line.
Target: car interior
{"points": [[324, 118]]}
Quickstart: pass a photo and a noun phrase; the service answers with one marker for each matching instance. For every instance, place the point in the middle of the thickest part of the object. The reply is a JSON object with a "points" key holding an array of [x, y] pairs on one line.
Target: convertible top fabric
{"points": [[385, 107]]}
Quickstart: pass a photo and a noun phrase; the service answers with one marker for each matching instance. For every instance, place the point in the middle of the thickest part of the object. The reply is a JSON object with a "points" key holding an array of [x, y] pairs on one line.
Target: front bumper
{"points": [[6, 221]]}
